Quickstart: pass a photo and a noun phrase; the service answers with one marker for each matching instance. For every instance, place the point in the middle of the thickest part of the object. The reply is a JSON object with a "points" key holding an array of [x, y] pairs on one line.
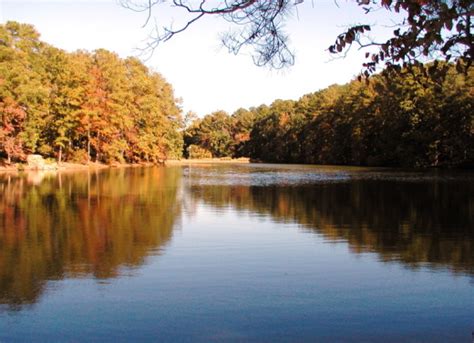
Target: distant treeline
{"points": [[95, 106], [81, 106], [407, 119]]}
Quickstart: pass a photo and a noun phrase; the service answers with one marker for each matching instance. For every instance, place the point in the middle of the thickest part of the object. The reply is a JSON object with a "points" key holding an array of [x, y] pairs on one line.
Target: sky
{"points": [[202, 72]]}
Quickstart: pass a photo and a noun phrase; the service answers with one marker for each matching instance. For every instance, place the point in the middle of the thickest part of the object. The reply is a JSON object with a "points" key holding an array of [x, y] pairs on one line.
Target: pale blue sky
{"points": [[203, 73]]}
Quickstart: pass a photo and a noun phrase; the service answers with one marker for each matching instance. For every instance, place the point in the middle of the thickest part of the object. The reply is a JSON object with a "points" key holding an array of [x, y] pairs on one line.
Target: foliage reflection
{"points": [[80, 224], [426, 224]]}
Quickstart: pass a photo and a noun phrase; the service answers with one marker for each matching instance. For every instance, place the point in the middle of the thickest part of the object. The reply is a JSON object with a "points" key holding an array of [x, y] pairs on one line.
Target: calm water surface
{"points": [[239, 253]]}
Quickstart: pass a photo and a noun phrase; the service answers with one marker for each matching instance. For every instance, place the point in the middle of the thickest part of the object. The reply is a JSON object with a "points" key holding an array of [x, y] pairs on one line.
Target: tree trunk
{"points": [[60, 154], [97, 148], [88, 145]]}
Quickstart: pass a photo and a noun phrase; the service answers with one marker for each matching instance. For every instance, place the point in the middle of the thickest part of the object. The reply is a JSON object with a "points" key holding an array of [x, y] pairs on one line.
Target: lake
{"points": [[237, 253]]}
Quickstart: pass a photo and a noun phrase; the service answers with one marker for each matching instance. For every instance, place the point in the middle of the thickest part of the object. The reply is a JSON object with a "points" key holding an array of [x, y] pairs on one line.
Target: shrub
{"points": [[79, 156], [195, 151]]}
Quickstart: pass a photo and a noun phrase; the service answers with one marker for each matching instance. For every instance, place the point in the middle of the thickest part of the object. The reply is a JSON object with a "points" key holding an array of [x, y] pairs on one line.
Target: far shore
{"points": [[206, 160], [68, 166]]}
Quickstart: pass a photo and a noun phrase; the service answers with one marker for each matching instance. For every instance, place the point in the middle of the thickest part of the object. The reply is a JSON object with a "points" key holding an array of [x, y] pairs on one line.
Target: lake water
{"points": [[237, 253]]}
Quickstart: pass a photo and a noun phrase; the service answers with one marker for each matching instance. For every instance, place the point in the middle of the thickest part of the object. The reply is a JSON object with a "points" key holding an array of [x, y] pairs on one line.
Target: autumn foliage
{"points": [[405, 118], [82, 106]]}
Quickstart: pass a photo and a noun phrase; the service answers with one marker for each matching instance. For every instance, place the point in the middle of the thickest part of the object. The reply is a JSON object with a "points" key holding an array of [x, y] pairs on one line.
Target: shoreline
{"points": [[94, 166], [241, 160], [68, 166]]}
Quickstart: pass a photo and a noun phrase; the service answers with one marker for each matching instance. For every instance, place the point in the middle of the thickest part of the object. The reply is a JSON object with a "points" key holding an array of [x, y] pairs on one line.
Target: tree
{"points": [[431, 28], [403, 118], [242, 123], [258, 22], [274, 137], [23, 94], [212, 133], [12, 120], [82, 105], [67, 92]]}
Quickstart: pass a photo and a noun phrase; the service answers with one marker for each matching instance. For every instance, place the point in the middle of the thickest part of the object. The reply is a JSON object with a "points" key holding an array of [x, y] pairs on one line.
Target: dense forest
{"points": [[81, 106], [409, 118], [95, 106]]}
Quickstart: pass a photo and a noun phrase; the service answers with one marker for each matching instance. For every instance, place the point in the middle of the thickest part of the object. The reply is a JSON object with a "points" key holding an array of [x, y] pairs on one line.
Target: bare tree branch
{"points": [[431, 28]]}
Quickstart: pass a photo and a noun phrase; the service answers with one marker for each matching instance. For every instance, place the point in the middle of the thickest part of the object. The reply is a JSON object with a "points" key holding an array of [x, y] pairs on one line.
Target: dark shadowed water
{"points": [[237, 253]]}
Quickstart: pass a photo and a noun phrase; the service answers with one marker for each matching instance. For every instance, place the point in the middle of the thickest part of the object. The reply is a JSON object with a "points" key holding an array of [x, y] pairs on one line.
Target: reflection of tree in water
{"points": [[78, 224], [418, 224]]}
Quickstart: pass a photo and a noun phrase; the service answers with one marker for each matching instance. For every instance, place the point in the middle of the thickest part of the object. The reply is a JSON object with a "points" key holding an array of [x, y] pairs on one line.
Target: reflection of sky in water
{"points": [[267, 178], [248, 279], [266, 175]]}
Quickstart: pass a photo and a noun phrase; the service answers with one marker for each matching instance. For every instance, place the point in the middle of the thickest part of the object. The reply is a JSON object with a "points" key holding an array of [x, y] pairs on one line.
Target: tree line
{"points": [[408, 118], [82, 106], [95, 106]]}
